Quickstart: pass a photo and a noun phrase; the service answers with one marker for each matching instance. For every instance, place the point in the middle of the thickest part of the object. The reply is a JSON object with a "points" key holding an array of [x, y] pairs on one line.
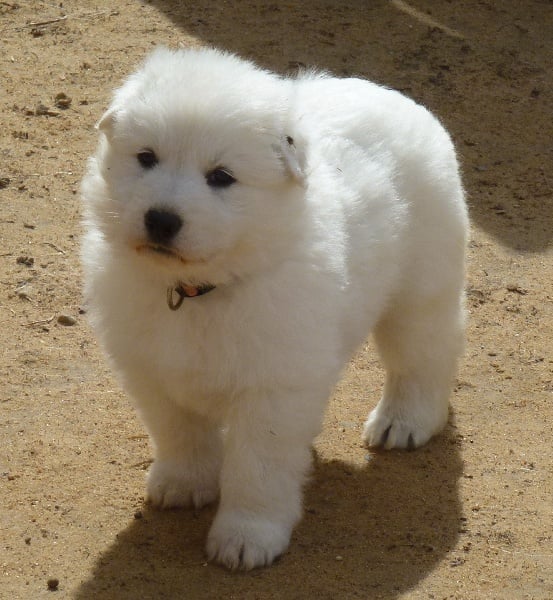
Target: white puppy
{"points": [[245, 233]]}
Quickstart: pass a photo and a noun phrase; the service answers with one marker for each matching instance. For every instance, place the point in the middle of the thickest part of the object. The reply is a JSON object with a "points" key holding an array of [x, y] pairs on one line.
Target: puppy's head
{"points": [[197, 176]]}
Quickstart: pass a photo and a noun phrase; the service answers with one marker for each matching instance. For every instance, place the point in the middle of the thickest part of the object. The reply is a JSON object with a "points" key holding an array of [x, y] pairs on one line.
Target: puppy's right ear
{"points": [[106, 123]]}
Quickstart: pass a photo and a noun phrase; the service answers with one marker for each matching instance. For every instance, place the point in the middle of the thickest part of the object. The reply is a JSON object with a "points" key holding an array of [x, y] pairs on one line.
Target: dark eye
{"points": [[219, 178], [147, 158]]}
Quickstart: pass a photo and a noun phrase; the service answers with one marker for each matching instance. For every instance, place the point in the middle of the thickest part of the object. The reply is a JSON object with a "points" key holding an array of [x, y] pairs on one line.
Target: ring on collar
{"points": [[185, 291]]}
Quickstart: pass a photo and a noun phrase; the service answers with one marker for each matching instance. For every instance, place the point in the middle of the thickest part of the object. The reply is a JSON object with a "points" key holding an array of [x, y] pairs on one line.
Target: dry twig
{"points": [[41, 322], [84, 15], [49, 22]]}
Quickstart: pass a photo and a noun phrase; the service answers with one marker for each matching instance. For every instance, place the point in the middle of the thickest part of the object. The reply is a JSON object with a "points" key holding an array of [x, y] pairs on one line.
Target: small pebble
{"points": [[28, 261], [67, 320], [515, 288], [138, 514], [62, 100], [41, 109], [53, 584]]}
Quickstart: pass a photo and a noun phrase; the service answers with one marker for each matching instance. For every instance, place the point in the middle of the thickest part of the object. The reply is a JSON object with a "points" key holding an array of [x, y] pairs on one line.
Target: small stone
{"points": [[62, 101], [28, 261], [53, 584], [24, 295], [516, 289], [457, 562], [67, 320], [43, 110], [138, 515]]}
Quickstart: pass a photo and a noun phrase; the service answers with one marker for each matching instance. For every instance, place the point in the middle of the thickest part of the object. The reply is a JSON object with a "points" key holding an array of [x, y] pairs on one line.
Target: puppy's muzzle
{"points": [[162, 226]]}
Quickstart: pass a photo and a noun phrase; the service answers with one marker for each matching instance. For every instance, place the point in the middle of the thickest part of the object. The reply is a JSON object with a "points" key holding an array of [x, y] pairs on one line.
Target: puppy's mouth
{"points": [[164, 251]]}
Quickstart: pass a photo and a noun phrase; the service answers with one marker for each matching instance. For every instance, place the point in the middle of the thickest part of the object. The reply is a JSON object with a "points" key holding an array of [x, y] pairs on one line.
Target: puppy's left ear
{"points": [[293, 157]]}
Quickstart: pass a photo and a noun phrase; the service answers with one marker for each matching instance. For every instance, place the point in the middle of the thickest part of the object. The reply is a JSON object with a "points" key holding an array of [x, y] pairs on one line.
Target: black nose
{"points": [[162, 226]]}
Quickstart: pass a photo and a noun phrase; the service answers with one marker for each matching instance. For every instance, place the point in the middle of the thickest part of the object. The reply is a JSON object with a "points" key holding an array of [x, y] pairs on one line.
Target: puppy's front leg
{"points": [[187, 454], [266, 460]]}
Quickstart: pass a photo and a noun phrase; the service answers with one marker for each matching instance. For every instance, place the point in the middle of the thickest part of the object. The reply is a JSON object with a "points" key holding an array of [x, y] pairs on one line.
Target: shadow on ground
{"points": [[378, 530]]}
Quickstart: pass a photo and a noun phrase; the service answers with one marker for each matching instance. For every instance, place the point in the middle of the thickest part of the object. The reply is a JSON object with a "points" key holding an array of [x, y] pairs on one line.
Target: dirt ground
{"points": [[469, 516]]}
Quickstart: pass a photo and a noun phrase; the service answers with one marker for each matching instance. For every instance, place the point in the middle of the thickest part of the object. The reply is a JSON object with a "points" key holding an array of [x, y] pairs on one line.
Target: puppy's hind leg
{"points": [[420, 344]]}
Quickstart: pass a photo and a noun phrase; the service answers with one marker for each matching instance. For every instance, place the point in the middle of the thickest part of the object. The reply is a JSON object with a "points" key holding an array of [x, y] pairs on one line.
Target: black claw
{"points": [[385, 435], [410, 442], [241, 558]]}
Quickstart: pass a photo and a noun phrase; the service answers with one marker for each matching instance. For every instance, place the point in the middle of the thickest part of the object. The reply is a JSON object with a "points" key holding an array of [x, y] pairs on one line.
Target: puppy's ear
{"points": [[293, 157], [106, 123]]}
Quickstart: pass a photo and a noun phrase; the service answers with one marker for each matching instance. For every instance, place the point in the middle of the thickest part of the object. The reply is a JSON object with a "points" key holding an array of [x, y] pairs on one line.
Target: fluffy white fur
{"points": [[347, 215]]}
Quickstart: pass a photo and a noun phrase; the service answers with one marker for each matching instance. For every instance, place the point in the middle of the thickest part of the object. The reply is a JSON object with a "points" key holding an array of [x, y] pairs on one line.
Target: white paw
{"points": [[245, 541], [388, 428], [174, 484]]}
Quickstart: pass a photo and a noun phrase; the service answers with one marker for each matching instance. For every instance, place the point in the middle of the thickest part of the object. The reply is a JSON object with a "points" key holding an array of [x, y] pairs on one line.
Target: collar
{"points": [[184, 290]]}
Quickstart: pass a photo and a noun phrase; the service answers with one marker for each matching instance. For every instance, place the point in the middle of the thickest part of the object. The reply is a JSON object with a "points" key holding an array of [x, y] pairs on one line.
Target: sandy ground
{"points": [[468, 516]]}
